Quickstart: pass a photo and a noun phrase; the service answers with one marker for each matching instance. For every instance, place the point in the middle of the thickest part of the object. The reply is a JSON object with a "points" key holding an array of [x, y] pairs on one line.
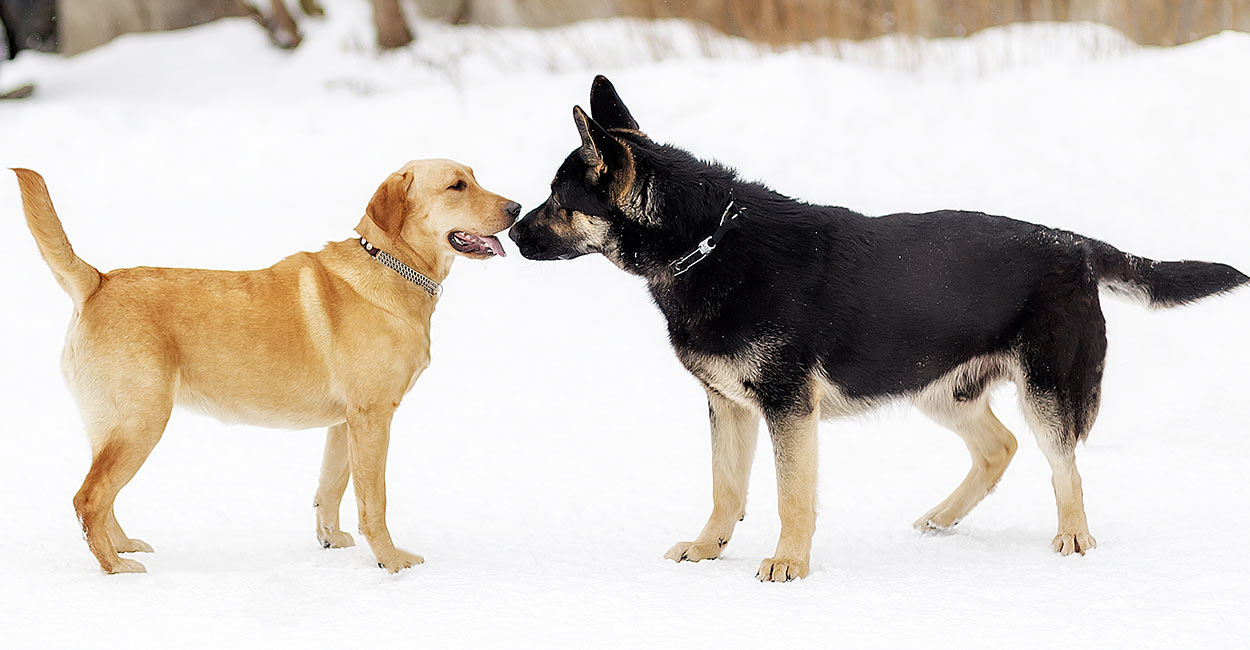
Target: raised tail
{"points": [[78, 278], [1162, 284]]}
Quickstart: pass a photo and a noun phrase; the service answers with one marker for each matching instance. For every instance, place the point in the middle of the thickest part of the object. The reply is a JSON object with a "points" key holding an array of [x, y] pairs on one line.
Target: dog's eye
{"points": [[459, 186]]}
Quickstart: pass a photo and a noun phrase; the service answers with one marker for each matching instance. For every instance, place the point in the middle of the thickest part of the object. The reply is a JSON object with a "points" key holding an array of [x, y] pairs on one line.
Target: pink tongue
{"points": [[494, 244]]}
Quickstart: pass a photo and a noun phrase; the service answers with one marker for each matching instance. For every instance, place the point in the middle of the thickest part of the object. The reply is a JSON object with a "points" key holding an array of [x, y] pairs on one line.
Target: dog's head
{"points": [[438, 207], [603, 197]]}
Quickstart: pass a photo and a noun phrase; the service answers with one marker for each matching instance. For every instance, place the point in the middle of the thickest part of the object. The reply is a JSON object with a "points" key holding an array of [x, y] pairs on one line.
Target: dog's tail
{"points": [[1162, 284], [78, 278]]}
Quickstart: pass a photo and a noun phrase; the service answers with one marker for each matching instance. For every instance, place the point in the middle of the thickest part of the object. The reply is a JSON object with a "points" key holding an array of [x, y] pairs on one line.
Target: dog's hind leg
{"points": [[1060, 391], [1057, 438], [1073, 533], [125, 390], [122, 542], [335, 470], [120, 448], [735, 430], [991, 446]]}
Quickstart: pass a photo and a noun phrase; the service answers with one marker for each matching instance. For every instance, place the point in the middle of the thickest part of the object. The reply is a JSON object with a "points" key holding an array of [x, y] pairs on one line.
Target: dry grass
{"points": [[1152, 22]]}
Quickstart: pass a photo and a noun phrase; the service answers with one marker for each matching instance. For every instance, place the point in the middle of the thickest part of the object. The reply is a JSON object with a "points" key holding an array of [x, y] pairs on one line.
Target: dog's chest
{"points": [[734, 375]]}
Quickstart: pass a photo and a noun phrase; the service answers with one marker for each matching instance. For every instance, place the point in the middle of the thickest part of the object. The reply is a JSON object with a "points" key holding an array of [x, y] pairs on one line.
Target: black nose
{"points": [[513, 208]]}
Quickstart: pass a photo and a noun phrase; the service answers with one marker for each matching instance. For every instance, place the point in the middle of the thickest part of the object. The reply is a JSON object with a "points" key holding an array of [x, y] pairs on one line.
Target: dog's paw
{"points": [[693, 552], [133, 546], [1069, 543], [778, 569], [935, 522], [335, 539], [398, 560], [125, 566]]}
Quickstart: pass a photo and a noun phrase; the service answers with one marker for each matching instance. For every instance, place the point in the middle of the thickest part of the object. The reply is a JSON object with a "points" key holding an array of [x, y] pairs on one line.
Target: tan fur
{"points": [[335, 471], [623, 187], [588, 233], [735, 417], [594, 157], [622, 184], [331, 339], [990, 444], [794, 452], [75, 276], [1073, 534], [735, 430], [726, 375]]}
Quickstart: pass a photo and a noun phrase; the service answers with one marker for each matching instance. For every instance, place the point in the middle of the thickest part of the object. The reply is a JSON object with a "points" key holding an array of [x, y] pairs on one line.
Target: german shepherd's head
{"points": [[640, 203]]}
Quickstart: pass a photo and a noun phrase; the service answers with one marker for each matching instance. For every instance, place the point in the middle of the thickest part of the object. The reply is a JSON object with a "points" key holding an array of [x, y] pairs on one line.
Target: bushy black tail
{"points": [[1162, 284]]}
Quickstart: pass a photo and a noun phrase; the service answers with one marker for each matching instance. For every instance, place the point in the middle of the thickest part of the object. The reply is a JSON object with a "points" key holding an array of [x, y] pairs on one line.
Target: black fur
{"points": [[880, 307]]}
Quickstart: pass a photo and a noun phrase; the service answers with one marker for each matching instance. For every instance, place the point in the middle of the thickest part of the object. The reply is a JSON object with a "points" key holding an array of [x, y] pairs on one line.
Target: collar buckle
{"points": [[695, 256], [728, 221]]}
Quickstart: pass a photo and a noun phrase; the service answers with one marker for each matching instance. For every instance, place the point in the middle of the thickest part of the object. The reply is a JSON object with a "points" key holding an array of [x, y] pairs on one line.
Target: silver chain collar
{"points": [[407, 272]]}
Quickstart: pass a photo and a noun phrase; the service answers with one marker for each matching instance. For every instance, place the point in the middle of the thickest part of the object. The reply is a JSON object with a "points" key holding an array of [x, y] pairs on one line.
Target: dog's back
{"points": [[251, 346], [933, 290], [239, 345]]}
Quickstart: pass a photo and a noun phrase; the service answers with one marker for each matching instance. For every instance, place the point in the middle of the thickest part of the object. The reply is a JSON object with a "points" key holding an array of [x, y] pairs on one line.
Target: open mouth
{"points": [[471, 244]]}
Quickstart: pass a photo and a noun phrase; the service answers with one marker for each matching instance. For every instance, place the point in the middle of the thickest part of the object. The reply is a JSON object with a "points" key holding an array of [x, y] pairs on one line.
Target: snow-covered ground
{"points": [[555, 448]]}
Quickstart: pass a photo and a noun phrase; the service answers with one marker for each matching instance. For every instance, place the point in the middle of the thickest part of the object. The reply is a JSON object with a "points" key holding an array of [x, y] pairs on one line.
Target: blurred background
{"points": [[555, 448], [73, 26]]}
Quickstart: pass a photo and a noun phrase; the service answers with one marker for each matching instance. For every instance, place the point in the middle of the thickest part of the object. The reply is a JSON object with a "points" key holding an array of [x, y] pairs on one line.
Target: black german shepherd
{"points": [[797, 312]]}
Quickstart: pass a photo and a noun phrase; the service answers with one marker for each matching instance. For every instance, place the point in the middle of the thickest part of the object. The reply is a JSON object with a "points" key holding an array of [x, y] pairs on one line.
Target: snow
{"points": [[555, 448]]}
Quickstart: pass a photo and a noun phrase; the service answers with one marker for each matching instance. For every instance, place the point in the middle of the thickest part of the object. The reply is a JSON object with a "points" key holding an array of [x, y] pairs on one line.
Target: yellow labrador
{"points": [[331, 339]]}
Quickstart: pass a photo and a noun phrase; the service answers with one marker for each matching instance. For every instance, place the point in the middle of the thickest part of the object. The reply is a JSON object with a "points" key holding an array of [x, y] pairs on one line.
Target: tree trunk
{"points": [[29, 25], [311, 8], [281, 26], [84, 24], [393, 30]]}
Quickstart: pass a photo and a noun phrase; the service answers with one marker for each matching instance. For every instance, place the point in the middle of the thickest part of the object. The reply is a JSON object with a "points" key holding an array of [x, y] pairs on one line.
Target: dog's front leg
{"points": [[735, 429], [369, 433], [794, 450], [335, 470]]}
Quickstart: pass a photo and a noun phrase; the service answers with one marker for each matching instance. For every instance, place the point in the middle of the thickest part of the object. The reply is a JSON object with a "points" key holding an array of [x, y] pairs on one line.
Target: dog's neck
{"points": [[689, 220], [424, 260]]}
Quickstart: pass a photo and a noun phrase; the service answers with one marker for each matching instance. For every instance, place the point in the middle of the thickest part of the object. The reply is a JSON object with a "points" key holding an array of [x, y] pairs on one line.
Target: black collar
{"points": [[410, 274], [728, 221]]}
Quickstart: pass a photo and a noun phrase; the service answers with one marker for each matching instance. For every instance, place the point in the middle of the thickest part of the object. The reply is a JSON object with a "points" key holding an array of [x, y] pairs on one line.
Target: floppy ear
{"points": [[599, 148], [390, 203], [607, 108]]}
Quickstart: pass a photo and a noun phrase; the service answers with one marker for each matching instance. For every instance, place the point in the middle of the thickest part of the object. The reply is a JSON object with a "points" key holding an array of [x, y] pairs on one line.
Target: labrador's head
{"points": [[437, 206]]}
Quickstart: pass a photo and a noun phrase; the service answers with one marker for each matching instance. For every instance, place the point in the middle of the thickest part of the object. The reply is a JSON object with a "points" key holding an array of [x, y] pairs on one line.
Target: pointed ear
{"points": [[607, 108], [390, 203], [599, 148]]}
